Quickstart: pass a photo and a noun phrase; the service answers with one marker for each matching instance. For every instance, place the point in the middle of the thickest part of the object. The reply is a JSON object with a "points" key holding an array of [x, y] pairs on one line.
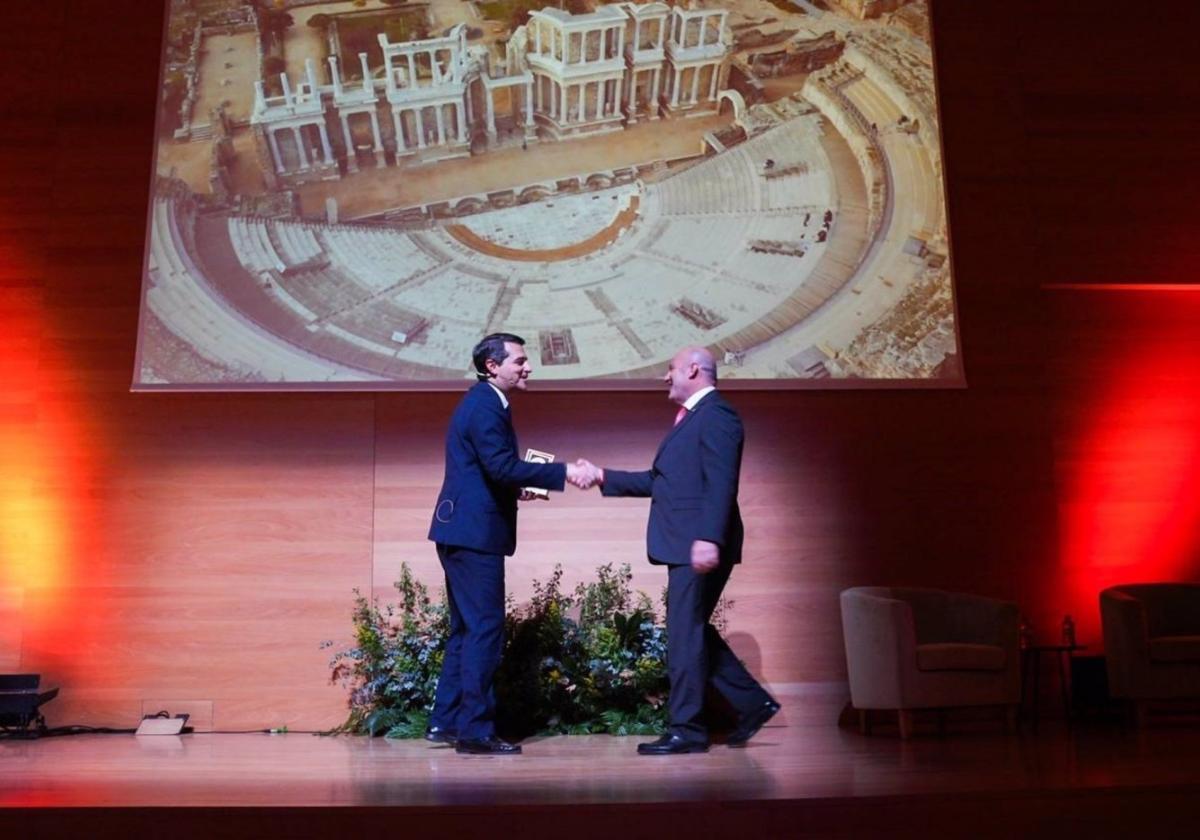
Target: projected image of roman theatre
{"points": [[353, 193]]}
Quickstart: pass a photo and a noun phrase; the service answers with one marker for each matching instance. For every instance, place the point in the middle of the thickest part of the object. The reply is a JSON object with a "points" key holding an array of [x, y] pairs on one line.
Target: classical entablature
{"points": [[357, 100], [697, 59], [645, 52], [578, 66], [293, 127], [558, 76], [426, 83]]}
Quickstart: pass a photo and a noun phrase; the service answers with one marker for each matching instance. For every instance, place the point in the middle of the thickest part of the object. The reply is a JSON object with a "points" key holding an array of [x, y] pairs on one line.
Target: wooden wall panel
{"points": [[196, 549]]}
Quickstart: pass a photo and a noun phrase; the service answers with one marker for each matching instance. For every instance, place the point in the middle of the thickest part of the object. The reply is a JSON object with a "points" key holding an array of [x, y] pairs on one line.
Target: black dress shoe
{"points": [[749, 725], [486, 746], [440, 735], [672, 745]]}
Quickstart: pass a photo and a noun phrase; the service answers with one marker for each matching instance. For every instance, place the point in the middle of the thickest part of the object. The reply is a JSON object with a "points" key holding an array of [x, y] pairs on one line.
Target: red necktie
{"points": [[679, 415]]}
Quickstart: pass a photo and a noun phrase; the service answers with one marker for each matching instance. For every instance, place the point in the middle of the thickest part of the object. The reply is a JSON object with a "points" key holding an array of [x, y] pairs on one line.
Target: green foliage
{"points": [[591, 661], [393, 668]]}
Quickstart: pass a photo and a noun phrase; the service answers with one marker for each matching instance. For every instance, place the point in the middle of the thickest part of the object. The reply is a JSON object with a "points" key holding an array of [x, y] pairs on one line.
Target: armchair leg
{"points": [[864, 722], [905, 718]]}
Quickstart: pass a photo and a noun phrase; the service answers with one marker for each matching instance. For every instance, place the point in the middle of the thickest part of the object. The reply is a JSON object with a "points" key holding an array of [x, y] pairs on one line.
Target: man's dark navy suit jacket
{"points": [[477, 507], [692, 485]]}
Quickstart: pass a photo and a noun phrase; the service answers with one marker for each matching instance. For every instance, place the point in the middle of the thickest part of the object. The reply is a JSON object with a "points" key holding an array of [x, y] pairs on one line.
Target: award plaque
{"points": [[536, 456]]}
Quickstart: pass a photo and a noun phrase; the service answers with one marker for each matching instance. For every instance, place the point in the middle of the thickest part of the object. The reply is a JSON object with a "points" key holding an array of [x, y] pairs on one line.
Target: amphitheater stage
{"points": [[792, 781]]}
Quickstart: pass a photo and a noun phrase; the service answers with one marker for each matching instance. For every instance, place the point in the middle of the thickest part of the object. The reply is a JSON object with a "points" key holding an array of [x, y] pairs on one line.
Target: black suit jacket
{"points": [[477, 506], [692, 485]]}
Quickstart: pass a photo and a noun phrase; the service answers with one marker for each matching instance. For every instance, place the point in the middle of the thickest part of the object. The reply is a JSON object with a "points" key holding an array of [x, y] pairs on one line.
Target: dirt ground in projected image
{"points": [[611, 182]]}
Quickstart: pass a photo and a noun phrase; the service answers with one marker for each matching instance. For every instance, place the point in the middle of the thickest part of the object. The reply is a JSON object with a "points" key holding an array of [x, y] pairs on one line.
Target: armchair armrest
{"points": [[880, 644], [1126, 640]]}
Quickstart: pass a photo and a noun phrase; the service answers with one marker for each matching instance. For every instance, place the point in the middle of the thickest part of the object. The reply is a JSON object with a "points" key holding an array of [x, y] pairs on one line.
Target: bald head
{"points": [[691, 369]]}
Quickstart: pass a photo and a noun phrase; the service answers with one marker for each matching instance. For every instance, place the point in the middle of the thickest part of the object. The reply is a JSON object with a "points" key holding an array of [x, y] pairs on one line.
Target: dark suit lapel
{"points": [[687, 418], [505, 410]]}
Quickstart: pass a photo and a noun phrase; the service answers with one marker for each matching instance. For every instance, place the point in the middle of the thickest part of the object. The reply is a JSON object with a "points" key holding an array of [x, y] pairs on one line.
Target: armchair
{"points": [[1152, 642], [909, 648]]}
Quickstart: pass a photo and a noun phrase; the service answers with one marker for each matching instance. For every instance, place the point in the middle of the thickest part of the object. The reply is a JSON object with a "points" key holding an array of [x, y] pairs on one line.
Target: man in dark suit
{"points": [[475, 527], [695, 529]]}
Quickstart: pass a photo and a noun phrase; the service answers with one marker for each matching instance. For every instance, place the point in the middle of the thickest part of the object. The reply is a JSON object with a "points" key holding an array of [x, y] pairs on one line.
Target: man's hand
{"points": [[705, 556], [529, 496], [584, 474]]}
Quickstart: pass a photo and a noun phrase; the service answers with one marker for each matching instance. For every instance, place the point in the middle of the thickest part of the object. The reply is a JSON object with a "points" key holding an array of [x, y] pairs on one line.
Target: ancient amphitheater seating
{"points": [[468, 297], [376, 258], [702, 241], [183, 301], [297, 244], [324, 291], [253, 245]]}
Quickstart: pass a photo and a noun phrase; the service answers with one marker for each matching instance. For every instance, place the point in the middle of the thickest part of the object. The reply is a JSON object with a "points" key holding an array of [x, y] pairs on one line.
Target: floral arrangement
{"points": [[591, 661]]}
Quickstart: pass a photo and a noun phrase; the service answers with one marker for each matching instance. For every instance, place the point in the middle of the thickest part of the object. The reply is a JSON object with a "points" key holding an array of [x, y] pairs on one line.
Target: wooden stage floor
{"points": [[791, 781]]}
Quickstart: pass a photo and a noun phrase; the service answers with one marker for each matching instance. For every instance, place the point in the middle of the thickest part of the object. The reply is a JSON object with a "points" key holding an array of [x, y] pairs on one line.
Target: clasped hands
{"points": [[584, 474]]}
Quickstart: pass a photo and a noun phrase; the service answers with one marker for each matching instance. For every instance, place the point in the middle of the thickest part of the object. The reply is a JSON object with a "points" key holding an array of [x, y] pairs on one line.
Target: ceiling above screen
{"points": [[351, 197]]}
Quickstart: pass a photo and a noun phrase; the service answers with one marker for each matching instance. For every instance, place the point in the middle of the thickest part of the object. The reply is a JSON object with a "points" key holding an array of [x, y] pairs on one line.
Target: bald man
{"points": [[695, 530]]}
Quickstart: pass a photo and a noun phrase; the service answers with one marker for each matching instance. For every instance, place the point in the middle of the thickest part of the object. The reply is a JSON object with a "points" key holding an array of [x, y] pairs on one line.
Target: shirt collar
{"points": [[500, 394], [699, 395]]}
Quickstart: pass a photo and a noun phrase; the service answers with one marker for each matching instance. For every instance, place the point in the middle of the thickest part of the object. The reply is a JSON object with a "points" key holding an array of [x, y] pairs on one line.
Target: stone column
{"points": [[412, 71], [537, 35], [420, 127], [603, 44], [631, 96], [378, 137], [703, 30], [398, 122], [491, 114], [564, 114], [675, 87], [303, 155], [716, 74], [654, 92], [440, 116], [695, 84], [637, 33], [462, 124], [335, 76], [325, 147], [274, 144], [351, 154], [368, 86], [529, 103]]}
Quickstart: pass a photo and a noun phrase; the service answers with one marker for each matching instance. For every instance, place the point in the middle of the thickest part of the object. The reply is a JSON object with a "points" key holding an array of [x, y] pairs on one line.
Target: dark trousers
{"points": [[697, 656], [466, 702]]}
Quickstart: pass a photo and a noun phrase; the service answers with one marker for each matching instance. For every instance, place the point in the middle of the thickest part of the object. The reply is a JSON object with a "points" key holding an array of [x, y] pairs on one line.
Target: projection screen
{"points": [[351, 194]]}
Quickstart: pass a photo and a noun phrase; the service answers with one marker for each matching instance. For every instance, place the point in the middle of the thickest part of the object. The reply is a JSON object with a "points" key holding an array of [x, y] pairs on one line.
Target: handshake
{"points": [[584, 474]]}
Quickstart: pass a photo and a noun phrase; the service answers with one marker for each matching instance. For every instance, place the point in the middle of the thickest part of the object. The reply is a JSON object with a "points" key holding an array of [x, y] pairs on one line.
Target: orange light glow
{"points": [[43, 515]]}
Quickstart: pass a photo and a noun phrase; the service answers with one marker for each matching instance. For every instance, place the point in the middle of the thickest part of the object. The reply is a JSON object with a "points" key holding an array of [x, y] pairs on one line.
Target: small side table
{"points": [[1031, 664]]}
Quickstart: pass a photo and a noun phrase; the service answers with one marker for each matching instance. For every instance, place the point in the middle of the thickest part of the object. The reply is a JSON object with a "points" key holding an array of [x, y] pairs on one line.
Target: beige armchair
{"points": [[912, 649], [1152, 642]]}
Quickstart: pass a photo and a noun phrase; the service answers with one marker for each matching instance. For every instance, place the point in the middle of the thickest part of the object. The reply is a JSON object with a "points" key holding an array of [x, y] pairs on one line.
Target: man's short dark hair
{"points": [[492, 347]]}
